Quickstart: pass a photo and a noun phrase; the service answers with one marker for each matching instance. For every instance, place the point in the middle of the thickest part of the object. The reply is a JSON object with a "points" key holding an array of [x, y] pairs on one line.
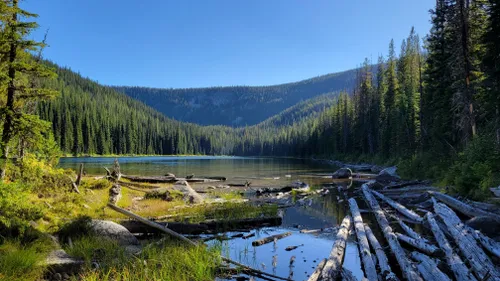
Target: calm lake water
{"points": [[320, 212]]}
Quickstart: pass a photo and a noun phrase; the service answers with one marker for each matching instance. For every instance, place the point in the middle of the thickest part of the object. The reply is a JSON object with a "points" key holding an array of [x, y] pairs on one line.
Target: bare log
{"points": [[421, 245], [347, 275], [400, 208], [428, 268], [383, 262], [408, 229], [463, 208], [407, 267], [270, 239], [177, 235], [211, 226], [479, 261], [317, 272], [489, 244], [364, 247], [333, 265], [190, 195], [456, 264]]}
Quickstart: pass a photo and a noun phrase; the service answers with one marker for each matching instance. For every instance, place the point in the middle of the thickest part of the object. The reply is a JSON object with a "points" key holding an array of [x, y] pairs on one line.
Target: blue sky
{"points": [[188, 43]]}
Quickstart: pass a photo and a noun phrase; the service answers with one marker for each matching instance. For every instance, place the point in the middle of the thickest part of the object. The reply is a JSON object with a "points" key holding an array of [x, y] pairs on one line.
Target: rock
{"points": [[161, 193], [190, 195], [388, 175], [496, 191], [211, 187], [170, 175], [57, 276], [298, 185], [115, 193], [60, 261], [486, 225], [65, 276], [113, 231], [342, 173]]}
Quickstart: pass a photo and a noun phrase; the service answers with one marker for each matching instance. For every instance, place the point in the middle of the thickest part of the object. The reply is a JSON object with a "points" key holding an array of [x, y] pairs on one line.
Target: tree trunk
{"points": [[455, 263], [463, 208], [421, 245], [79, 177], [333, 264], [428, 268], [409, 230], [270, 239], [383, 262], [11, 89], [364, 247], [479, 261], [400, 208], [315, 276], [407, 267]]}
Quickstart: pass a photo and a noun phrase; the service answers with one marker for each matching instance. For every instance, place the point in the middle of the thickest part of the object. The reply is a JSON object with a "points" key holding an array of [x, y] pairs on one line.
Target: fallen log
{"points": [[383, 262], [168, 179], [478, 260], [408, 189], [364, 247], [270, 239], [421, 245], [463, 208], [489, 244], [407, 267], [347, 275], [428, 268], [210, 226], [455, 263], [317, 272], [248, 236], [408, 229], [400, 208], [333, 265], [178, 236], [291, 248]]}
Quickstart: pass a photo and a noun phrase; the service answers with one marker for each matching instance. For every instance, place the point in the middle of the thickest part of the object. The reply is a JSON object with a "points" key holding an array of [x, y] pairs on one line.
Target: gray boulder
{"points": [[342, 173], [388, 175], [113, 231], [486, 225]]}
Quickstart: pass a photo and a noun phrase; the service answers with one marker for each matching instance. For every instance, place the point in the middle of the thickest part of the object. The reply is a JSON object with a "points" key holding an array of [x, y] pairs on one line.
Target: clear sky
{"points": [[188, 43]]}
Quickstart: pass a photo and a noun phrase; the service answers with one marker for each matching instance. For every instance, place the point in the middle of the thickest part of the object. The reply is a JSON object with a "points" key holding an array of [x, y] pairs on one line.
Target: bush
{"points": [[16, 210]]}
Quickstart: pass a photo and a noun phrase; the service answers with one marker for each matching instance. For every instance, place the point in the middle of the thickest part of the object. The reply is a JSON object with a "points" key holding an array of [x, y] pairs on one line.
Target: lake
{"points": [[322, 212]]}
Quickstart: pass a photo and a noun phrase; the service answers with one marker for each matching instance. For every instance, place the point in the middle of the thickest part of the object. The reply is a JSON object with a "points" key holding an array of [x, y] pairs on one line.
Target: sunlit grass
{"points": [[171, 260], [22, 262]]}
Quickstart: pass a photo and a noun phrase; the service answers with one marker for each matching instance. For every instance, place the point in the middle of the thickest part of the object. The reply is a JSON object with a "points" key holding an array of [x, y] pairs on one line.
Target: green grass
{"points": [[22, 262], [171, 261]]}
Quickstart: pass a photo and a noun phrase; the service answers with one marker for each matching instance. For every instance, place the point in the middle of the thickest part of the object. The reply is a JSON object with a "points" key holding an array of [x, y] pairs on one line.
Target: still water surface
{"points": [[322, 212]]}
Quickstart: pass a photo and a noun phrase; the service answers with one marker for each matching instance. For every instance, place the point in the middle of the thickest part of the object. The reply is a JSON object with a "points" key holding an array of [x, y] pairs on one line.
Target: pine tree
{"points": [[19, 66]]}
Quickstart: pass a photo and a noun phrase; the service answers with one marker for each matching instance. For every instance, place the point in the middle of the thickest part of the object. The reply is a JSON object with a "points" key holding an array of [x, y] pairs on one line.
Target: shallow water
{"points": [[323, 212]]}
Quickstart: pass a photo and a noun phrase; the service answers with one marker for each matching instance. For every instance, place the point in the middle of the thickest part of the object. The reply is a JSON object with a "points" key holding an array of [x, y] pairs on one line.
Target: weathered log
{"points": [[408, 229], [270, 239], [333, 266], [211, 226], [463, 208], [408, 189], [428, 268], [364, 247], [115, 194], [80, 175], [166, 179], [478, 260], [400, 208], [407, 267], [455, 263], [347, 275], [317, 272], [421, 245], [248, 236], [291, 248], [489, 244], [183, 238], [383, 262]]}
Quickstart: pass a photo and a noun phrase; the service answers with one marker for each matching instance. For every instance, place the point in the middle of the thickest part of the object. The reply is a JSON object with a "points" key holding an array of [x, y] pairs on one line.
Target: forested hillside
{"points": [[240, 105]]}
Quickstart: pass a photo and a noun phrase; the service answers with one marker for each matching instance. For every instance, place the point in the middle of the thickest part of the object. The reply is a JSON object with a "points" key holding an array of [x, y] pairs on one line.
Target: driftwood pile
{"points": [[453, 250]]}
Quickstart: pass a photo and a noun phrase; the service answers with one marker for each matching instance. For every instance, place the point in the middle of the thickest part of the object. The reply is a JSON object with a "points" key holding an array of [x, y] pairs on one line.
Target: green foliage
{"points": [[171, 261], [20, 262], [16, 210]]}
